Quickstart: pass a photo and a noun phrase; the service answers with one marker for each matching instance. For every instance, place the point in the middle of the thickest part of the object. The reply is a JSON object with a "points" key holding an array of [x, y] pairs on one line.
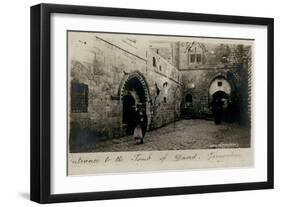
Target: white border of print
{"points": [[61, 183]]}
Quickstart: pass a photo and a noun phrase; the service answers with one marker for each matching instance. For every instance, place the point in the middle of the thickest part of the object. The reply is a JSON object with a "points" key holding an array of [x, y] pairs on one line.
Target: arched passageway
{"points": [[128, 108], [220, 100], [219, 84], [219, 105], [134, 93]]}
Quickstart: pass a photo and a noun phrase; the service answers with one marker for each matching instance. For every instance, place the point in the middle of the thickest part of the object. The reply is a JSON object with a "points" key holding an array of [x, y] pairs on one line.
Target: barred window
{"points": [[79, 97]]}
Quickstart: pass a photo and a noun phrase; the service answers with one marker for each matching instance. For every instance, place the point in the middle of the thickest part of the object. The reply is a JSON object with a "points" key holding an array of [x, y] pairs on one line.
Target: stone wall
{"points": [[105, 67], [114, 66], [166, 90], [197, 84]]}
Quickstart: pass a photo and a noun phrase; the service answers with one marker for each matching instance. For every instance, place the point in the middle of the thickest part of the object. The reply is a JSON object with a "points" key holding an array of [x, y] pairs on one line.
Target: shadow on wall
{"points": [[82, 140]]}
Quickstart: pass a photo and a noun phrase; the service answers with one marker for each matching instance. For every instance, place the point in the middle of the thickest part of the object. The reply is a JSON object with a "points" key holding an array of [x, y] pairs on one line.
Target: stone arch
{"points": [[135, 85], [224, 76], [138, 77], [220, 84], [228, 98]]}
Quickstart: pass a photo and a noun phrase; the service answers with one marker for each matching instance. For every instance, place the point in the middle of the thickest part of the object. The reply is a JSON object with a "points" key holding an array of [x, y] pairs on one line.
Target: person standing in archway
{"points": [[137, 122], [217, 108], [140, 123], [143, 121]]}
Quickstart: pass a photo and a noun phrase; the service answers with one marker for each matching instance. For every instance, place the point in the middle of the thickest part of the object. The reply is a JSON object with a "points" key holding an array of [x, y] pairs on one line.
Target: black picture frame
{"points": [[40, 176]]}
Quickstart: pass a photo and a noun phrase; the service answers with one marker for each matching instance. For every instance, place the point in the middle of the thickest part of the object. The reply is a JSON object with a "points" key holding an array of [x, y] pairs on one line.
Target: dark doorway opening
{"points": [[220, 106], [188, 100], [135, 95], [220, 95], [128, 108]]}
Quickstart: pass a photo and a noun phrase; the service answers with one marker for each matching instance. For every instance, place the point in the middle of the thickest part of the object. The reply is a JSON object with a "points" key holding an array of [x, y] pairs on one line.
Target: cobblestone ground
{"points": [[183, 134]]}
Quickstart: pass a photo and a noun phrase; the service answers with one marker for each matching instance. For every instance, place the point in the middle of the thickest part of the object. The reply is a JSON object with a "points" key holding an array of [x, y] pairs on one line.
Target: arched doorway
{"points": [[133, 92], [220, 102], [128, 108], [188, 100], [221, 96], [220, 99], [220, 84]]}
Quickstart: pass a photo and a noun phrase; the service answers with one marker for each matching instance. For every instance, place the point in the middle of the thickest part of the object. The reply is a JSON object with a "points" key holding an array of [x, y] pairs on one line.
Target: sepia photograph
{"points": [[133, 103], [140, 99]]}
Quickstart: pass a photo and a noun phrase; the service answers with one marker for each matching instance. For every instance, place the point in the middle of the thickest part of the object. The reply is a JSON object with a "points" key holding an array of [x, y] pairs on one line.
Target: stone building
{"points": [[105, 71], [110, 73], [210, 70]]}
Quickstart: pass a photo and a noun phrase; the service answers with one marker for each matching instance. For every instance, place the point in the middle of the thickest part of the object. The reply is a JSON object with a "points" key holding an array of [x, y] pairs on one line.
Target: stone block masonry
{"points": [[113, 72], [108, 68]]}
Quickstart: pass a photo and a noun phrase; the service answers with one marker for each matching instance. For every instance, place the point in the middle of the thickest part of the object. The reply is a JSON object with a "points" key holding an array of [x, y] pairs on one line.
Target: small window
{"points": [[219, 83], [192, 58], [188, 100], [79, 97], [154, 62], [198, 58], [160, 68]]}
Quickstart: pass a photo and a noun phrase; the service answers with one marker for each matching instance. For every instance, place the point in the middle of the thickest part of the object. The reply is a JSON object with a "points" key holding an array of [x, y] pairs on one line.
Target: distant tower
{"points": [[168, 50]]}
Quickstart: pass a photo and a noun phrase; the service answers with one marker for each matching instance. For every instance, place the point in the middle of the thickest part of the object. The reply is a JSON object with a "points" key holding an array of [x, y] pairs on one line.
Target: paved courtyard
{"points": [[181, 135]]}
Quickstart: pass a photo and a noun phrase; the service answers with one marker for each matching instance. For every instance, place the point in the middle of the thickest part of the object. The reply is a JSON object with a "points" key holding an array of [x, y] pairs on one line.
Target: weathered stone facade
{"points": [[108, 68], [218, 64], [111, 67], [197, 84]]}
